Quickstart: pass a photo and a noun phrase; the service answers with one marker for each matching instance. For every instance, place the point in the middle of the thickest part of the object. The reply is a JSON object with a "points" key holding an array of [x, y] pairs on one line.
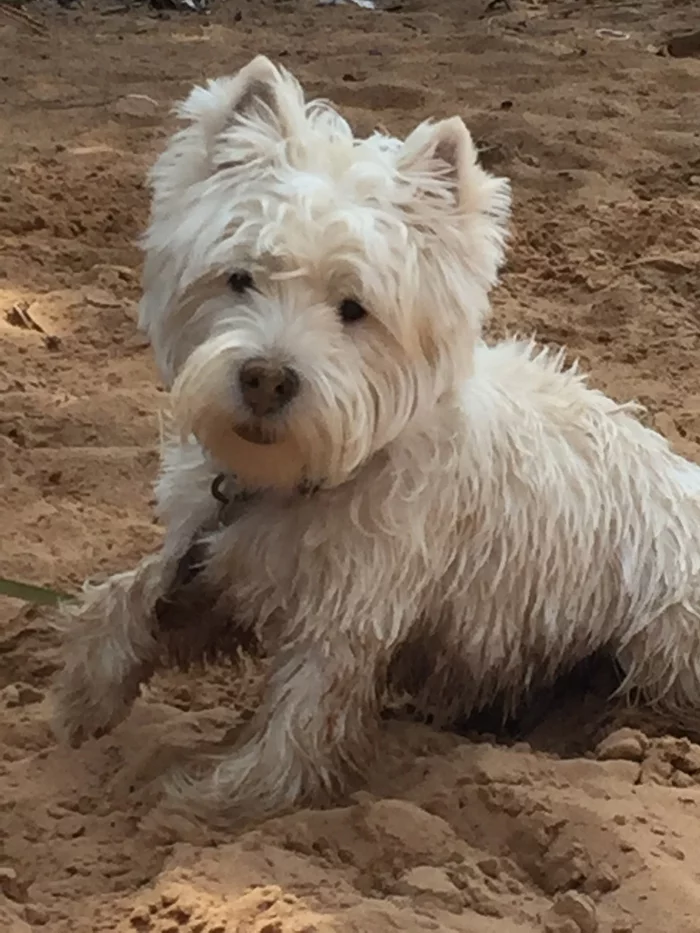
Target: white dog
{"points": [[413, 508]]}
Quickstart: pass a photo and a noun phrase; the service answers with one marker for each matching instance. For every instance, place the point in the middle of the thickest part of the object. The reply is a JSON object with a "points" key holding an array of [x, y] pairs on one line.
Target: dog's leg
{"points": [[662, 662], [107, 652], [315, 727]]}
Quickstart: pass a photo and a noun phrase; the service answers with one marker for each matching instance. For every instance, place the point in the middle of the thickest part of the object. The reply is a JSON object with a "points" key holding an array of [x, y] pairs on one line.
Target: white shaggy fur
{"points": [[483, 518]]}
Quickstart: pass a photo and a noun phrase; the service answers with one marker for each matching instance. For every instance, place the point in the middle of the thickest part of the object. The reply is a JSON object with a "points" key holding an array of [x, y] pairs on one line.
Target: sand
{"points": [[543, 830]]}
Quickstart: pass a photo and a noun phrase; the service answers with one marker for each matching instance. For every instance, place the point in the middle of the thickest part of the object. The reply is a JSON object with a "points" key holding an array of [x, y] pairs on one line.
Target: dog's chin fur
{"points": [[485, 521], [277, 465]]}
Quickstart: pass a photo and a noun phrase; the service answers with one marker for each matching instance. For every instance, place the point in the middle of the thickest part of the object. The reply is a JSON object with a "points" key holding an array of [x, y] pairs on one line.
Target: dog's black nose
{"points": [[267, 387]]}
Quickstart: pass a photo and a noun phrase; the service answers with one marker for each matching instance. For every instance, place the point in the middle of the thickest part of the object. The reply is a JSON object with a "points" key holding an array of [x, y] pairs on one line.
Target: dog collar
{"points": [[228, 492]]}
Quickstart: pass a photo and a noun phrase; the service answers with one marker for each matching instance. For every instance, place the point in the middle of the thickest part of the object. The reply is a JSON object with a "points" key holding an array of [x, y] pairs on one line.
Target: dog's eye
{"points": [[351, 310], [240, 282]]}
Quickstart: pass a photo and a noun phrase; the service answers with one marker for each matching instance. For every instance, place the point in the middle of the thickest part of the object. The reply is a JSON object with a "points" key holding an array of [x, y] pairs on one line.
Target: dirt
{"points": [[540, 829]]}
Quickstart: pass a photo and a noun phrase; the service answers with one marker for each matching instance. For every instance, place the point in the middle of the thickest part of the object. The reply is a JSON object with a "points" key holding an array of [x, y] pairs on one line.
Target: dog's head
{"points": [[309, 294]]}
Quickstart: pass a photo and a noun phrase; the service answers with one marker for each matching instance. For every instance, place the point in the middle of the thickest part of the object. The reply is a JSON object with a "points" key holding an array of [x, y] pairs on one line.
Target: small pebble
{"points": [[687, 759], [36, 914], [603, 880], [10, 696], [490, 867], [427, 880], [140, 918], [579, 908], [10, 885], [672, 850], [28, 694], [561, 925], [625, 744]]}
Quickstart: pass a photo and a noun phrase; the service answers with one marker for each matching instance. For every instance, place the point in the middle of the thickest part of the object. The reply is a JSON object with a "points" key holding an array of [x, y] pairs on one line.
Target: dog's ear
{"points": [[259, 92], [440, 159]]}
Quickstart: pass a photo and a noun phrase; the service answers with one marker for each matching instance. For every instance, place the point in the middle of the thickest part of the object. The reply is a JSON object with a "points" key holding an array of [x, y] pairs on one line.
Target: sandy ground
{"points": [[473, 832]]}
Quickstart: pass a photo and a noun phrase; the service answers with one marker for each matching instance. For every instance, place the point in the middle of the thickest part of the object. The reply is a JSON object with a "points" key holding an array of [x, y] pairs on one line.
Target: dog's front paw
{"points": [[84, 708], [107, 650]]}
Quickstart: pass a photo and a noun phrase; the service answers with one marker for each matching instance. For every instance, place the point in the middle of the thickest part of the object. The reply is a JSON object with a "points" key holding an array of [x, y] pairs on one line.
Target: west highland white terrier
{"points": [[364, 488]]}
